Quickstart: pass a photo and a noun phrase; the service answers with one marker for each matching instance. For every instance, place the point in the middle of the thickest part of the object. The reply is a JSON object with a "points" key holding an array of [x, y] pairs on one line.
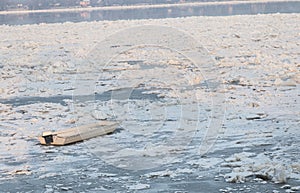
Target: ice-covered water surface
{"points": [[258, 61]]}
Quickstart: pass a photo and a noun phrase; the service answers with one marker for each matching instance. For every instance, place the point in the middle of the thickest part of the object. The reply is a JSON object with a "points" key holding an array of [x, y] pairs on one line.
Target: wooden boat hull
{"points": [[76, 134]]}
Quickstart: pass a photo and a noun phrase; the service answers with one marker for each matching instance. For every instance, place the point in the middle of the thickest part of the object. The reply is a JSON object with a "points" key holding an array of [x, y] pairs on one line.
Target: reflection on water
{"points": [[153, 13]]}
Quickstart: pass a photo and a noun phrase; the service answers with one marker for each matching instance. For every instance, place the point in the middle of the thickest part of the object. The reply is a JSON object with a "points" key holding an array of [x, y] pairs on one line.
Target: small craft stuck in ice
{"points": [[76, 134]]}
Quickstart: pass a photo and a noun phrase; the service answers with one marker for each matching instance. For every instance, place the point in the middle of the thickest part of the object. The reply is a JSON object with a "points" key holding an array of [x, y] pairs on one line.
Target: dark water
{"points": [[122, 94], [153, 13]]}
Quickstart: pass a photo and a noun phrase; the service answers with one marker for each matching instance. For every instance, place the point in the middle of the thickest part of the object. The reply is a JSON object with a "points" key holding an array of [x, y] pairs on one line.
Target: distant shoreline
{"points": [[81, 9]]}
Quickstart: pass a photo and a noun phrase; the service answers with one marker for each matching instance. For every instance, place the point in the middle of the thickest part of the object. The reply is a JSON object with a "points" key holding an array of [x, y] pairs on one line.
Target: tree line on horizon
{"points": [[49, 4]]}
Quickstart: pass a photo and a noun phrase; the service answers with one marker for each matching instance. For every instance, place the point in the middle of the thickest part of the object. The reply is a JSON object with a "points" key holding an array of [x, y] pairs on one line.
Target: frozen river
{"points": [[52, 76]]}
